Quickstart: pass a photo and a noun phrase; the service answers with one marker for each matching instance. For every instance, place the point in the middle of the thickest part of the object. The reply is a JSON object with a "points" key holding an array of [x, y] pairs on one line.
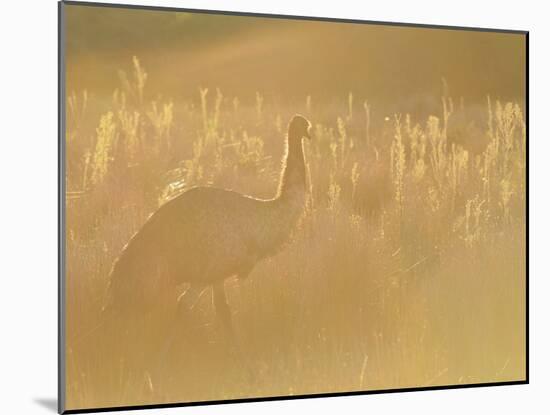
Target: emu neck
{"points": [[293, 179]]}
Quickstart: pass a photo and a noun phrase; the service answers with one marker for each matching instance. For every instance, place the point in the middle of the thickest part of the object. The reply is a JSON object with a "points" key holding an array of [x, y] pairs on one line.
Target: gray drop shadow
{"points": [[48, 403]]}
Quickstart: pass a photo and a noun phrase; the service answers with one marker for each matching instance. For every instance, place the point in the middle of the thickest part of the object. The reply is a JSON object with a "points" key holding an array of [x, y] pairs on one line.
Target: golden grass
{"points": [[407, 269]]}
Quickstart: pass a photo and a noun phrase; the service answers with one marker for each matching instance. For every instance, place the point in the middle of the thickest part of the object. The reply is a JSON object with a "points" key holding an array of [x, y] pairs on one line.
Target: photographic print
{"points": [[259, 206]]}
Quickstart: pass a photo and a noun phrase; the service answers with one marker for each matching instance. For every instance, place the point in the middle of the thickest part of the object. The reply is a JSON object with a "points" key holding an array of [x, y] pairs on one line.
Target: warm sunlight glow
{"points": [[383, 246]]}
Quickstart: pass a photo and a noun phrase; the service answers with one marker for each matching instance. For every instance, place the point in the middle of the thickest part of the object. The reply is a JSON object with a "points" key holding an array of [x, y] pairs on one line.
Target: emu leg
{"points": [[186, 302], [223, 313]]}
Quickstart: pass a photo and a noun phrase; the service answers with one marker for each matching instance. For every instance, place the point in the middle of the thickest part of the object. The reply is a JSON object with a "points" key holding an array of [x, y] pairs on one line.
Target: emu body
{"points": [[207, 235], [203, 236]]}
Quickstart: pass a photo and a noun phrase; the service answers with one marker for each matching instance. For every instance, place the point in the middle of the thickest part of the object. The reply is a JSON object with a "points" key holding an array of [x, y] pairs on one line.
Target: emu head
{"points": [[299, 127]]}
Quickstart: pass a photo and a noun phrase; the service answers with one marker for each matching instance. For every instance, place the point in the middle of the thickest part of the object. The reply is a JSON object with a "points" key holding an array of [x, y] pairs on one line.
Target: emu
{"points": [[207, 235]]}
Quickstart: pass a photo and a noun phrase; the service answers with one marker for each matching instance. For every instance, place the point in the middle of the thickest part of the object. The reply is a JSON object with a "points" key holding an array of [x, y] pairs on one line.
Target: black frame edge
{"points": [[61, 344], [293, 397], [527, 207]]}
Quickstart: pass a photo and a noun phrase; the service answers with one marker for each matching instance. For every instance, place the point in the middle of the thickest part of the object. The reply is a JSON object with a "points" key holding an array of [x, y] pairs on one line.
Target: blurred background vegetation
{"points": [[400, 68]]}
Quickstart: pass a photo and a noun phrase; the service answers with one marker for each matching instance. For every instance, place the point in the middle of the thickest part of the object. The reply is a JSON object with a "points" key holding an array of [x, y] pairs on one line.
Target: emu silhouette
{"points": [[207, 235]]}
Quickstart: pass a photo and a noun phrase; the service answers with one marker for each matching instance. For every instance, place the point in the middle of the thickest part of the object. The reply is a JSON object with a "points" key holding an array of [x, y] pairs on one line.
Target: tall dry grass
{"points": [[407, 269]]}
